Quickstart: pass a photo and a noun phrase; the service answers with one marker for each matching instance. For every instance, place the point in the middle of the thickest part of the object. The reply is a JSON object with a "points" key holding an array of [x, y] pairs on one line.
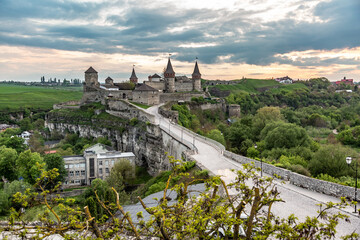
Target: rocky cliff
{"points": [[143, 139]]}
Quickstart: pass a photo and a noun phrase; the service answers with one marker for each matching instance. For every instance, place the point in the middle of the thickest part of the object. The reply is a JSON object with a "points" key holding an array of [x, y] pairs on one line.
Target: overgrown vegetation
{"points": [[205, 215], [293, 126]]}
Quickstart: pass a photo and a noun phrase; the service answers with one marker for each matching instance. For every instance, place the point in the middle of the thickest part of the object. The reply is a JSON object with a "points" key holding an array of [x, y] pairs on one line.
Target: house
{"points": [[26, 136], [96, 162], [154, 78], [284, 80], [345, 81]]}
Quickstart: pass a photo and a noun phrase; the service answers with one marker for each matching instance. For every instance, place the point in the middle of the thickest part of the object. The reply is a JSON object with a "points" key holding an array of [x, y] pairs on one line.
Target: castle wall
{"points": [[126, 110], [234, 110], [168, 97], [156, 85], [146, 97], [184, 86]]}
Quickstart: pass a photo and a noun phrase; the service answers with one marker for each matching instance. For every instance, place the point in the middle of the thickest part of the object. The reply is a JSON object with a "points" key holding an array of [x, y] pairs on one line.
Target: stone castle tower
{"points": [[91, 78], [169, 77], [133, 77], [196, 78]]}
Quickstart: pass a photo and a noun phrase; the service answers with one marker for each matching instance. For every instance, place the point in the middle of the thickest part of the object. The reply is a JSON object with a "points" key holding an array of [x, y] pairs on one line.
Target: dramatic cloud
{"points": [[252, 32]]}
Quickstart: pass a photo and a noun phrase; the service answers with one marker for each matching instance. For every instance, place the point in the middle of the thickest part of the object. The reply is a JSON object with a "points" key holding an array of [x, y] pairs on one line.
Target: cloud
{"points": [[154, 28]]}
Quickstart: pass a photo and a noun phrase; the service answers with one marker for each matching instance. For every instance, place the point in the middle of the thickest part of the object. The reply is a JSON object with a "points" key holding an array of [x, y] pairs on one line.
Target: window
{"points": [[106, 163], [77, 173], [112, 162], [82, 172], [92, 167], [71, 173], [100, 162], [66, 165], [82, 165], [107, 170], [71, 165], [77, 181], [100, 170]]}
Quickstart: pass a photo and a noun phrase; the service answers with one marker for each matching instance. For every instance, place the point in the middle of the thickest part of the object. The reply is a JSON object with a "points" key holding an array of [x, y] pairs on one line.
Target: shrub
{"points": [[134, 121], [299, 169]]}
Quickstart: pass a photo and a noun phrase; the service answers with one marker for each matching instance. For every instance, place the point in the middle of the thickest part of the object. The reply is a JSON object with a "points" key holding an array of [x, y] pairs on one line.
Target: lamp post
{"points": [[348, 161], [255, 146]]}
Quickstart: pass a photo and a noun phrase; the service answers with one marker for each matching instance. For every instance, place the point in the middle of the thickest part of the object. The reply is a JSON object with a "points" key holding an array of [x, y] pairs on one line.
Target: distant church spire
{"points": [[133, 78]]}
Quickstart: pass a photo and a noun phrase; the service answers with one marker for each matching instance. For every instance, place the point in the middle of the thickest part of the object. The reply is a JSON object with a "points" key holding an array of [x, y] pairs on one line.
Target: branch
{"points": [[125, 214]]}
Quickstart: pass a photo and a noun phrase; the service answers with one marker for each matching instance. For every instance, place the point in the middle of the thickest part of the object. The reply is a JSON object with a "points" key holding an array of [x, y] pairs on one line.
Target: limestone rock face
{"points": [[144, 141]]}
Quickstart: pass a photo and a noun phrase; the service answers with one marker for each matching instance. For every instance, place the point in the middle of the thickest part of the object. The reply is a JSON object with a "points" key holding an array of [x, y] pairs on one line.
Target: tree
{"points": [[216, 135], [284, 135], [13, 142], [36, 142], [8, 158], [264, 116], [25, 124], [189, 217], [330, 159], [56, 161], [29, 166]]}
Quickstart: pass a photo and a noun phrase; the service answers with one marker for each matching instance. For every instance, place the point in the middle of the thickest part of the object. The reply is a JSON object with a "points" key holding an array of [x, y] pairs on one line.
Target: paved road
{"points": [[298, 201]]}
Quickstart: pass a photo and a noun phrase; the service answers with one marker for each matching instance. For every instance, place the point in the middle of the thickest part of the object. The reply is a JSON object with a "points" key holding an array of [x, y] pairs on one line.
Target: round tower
{"points": [[196, 78], [169, 78], [91, 78]]}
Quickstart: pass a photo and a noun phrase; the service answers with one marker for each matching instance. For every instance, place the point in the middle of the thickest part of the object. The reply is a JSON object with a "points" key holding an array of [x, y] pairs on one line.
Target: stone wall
{"points": [[127, 110], [146, 97], [296, 179], [68, 105], [185, 86], [156, 85], [209, 106], [168, 113], [169, 97], [234, 110]]}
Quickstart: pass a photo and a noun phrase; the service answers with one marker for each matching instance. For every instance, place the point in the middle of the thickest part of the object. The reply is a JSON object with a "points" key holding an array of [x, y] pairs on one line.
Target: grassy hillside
{"points": [[258, 85], [16, 96]]}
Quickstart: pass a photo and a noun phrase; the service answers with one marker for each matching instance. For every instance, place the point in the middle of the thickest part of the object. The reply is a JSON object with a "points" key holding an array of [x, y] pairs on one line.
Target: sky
{"points": [[231, 38]]}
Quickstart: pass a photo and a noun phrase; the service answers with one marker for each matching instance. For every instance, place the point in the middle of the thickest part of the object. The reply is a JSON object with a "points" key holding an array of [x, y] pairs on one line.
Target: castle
{"points": [[154, 91]]}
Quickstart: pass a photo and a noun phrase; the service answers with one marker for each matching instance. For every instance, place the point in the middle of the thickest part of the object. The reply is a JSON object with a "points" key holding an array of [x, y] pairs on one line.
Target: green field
{"points": [[18, 96], [258, 85]]}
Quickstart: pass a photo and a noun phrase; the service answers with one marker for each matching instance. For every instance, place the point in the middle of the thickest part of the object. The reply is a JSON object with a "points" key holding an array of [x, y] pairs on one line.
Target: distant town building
{"points": [[26, 136], [284, 80], [96, 162], [345, 81]]}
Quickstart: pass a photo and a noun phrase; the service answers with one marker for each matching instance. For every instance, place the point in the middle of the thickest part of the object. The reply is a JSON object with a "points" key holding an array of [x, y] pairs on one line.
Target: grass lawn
{"points": [[258, 85], [141, 105], [18, 96], [249, 85]]}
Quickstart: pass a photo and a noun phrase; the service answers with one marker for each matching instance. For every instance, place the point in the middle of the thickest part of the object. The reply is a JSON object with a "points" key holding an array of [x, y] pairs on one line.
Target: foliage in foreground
{"points": [[205, 216]]}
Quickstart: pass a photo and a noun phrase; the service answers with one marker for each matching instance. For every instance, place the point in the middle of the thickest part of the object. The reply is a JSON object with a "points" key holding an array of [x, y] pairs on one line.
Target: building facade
{"points": [[96, 162]]}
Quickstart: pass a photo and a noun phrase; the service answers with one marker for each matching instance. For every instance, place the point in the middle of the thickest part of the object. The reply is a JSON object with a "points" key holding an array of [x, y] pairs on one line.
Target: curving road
{"points": [[298, 201]]}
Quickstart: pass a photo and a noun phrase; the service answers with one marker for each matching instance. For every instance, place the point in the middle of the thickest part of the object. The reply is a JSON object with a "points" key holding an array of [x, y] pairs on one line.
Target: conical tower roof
{"points": [[196, 69], [91, 70], [169, 68], [133, 75]]}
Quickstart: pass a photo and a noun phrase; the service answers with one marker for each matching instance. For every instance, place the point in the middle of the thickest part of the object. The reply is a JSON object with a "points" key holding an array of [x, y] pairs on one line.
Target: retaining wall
{"points": [[296, 179]]}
